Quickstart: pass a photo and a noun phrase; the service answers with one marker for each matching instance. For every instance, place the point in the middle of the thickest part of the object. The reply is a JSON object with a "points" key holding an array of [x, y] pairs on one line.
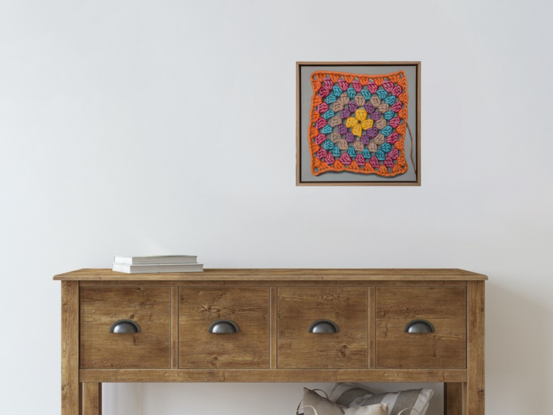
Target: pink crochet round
{"points": [[345, 158], [397, 106], [329, 159], [321, 138], [372, 87], [393, 154], [397, 91], [321, 122], [324, 91], [392, 138], [373, 161], [389, 162], [343, 84], [388, 86]]}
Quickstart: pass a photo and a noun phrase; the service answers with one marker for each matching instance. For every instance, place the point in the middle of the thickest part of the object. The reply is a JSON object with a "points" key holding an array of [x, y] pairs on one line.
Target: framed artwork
{"points": [[358, 123]]}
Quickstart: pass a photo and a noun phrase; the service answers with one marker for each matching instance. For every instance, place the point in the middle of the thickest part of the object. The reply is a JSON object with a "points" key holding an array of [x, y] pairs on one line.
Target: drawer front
{"points": [[444, 307], [150, 308], [248, 308], [299, 308]]}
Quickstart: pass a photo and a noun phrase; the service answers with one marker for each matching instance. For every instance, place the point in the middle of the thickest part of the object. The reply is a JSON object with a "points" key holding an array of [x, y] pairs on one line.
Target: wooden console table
{"points": [[273, 325]]}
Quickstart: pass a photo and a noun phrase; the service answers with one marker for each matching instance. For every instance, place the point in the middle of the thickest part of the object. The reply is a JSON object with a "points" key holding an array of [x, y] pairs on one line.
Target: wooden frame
{"points": [[299, 182], [81, 388]]}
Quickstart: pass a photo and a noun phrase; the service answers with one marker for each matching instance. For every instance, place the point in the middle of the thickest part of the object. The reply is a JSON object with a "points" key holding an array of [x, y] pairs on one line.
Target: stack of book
{"points": [[155, 264]]}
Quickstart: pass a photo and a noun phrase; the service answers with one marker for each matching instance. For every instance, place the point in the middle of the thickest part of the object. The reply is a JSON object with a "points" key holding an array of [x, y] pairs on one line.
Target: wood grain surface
{"points": [[475, 388], [149, 307], [92, 398], [271, 375], [444, 307], [288, 282], [274, 328], [175, 327], [299, 307], [273, 309], [372, 327], [453, 398], [266, 274], [70, 386], [247, 307]]}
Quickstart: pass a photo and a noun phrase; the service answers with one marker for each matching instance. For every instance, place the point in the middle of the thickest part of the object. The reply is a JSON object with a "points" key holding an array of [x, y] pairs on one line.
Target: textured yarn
{"points": [[379, 139], [358, 123], [330, 99], [381, 123]]}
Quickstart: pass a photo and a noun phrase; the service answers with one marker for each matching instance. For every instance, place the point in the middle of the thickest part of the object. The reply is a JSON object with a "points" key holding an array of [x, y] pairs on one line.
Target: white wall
{"points": [[169, 126]]}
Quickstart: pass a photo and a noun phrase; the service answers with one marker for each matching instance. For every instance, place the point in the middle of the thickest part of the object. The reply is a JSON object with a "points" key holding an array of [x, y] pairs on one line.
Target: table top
{"points": [[284, 274]]}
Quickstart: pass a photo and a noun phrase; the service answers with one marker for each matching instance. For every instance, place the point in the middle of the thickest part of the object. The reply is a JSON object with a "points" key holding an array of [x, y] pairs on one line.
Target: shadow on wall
{"points": [[517, 336], [122, 398]]}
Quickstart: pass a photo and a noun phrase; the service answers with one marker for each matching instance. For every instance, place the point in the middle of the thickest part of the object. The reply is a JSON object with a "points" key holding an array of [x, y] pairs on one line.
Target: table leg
{"points": [[475, 386], [70, 386], [92, 399], [453, 398]]}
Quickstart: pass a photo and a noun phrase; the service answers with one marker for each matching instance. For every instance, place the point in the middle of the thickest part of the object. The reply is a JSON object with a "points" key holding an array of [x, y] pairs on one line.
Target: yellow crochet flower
{"points": [[359, 123]]}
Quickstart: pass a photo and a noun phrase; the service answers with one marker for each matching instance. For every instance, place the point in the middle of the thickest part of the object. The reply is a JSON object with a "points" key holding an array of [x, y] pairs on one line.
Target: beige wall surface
{"points": [[140, 127]]}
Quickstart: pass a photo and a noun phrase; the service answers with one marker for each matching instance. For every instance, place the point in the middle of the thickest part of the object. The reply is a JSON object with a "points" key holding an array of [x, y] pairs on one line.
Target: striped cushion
{"points": [[325, 406], [378, 409], [345, 393], [349, 395]]}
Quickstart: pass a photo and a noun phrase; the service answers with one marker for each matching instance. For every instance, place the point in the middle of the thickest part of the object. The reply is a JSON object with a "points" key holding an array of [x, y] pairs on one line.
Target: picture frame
{"points": [[335, 115]]}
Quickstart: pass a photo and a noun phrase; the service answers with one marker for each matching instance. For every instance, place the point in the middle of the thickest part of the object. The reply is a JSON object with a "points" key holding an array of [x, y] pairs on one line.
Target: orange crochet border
{"points": [[401, 164]]}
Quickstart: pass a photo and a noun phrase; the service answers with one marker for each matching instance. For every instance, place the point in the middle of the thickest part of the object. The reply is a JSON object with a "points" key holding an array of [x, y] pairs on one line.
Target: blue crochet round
{"points": [[380, 155], [388, 115], [336, 152], [386, 131], [366, 94], [328, 145], [329, 114], [351, 92], [327, 129], [330, 99], [352, 153], [386, 147], [366, 154], [337, 90], [390, 100], [381, 93]]}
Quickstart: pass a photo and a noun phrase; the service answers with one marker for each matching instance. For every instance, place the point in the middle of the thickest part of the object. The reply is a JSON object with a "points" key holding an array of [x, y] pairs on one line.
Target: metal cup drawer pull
{"points": [[124, 327], [323, 327], [223, 327], [419, 327]]}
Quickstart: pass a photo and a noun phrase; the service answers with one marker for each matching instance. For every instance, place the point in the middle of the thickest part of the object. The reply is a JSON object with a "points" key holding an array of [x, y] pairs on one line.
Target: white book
{"points": [[157, 268], [160, 259]]}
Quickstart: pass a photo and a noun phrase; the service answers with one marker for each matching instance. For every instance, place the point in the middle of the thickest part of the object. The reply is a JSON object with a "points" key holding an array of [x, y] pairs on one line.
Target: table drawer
{"points": [[446, 310], [201, 308], [299, 308], [149, 308]]}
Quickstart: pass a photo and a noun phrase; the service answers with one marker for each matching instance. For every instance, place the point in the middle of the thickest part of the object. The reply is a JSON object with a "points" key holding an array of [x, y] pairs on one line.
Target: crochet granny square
{"points": [[358, 122]]}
